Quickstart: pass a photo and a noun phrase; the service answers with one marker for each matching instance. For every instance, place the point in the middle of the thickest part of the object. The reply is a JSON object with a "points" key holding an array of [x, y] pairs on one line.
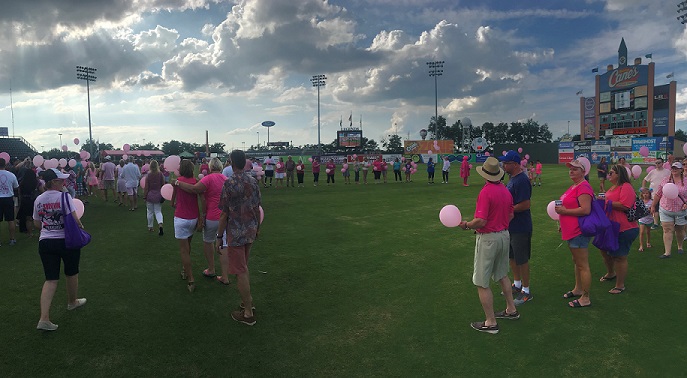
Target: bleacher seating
{"points": [[17, 147]]}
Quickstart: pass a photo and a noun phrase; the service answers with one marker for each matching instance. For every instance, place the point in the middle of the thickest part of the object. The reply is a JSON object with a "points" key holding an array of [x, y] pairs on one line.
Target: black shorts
{"points": [[6, 209], [52, 251], [520, 247], [269, 173]]}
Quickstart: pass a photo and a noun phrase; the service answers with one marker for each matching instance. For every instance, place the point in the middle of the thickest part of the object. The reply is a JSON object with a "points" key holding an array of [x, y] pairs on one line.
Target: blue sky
{"points": [[171, 69]]}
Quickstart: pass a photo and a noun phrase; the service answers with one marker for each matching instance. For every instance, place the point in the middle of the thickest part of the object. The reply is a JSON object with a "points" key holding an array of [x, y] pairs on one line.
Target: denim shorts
{"points": [[625, 240], [579, 241], [677, 217]]}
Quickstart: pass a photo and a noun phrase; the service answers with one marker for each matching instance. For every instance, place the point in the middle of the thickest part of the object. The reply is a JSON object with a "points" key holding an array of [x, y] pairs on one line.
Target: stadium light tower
{"points": [[435, 70], [682, 8], [86, 73], [318, 81]]}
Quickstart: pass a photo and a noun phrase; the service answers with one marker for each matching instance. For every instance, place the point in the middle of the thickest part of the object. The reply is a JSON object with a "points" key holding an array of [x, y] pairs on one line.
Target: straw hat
{"points": [[490, 170]]}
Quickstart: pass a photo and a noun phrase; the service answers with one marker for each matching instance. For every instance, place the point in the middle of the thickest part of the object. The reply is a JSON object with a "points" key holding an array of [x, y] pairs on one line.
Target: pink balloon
{"points": [[343, 170], [76, 141], [172, 163], [278, 165], [257, 168], [53, 163], [72, 163], [88, 155], [299, 168], [83, 155], [486, 153], [262, 213], [629, 171], [310, 159], [670, 190], [413, 170], [429, 152], [6, 156], [167, 190], [65, 148], [126, 147], [550, 209], [650, 168], [636, 171], [644, 151], [355, 156], [327, 170], [78, 207], [200, 176], [470, 166], [403, 169], [519, 150], [205, 172], [125, 157], [142, 183], [38, 160], [62, 162], [684, 148], [450, 216], [527, 156], [345, 166]]}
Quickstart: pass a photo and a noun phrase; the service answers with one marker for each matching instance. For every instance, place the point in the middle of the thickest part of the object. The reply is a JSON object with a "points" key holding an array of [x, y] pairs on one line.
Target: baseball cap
{"points": [[52, 174], [677, 165], [577, 164], [510, 156], [108, 157]]}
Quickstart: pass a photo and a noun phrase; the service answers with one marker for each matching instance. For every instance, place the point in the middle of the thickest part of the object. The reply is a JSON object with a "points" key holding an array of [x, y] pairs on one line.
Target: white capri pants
{"points": [[156, 210]]}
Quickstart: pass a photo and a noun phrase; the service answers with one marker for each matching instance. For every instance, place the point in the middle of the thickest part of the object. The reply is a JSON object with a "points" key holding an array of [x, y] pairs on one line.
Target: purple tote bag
{"points": [[74, 236]]}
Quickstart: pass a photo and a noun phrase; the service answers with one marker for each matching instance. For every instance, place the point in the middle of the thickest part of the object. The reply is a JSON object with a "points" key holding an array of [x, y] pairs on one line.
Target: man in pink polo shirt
{"points": [[493, 213]]}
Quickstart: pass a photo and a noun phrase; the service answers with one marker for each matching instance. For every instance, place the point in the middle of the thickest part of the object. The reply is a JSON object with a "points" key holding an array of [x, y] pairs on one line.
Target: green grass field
{"points": [[358, 281]]}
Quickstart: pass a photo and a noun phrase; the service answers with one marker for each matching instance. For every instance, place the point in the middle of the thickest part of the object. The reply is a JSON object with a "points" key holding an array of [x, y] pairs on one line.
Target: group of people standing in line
{"points": [[225, 209]]}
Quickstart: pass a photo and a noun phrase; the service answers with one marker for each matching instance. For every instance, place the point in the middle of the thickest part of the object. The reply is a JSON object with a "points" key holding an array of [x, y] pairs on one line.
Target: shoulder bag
{"points": [[74, 236]]}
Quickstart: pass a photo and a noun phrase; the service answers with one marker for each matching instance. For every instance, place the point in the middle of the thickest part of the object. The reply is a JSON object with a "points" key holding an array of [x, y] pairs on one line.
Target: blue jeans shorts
{"points": [[580, 241]]}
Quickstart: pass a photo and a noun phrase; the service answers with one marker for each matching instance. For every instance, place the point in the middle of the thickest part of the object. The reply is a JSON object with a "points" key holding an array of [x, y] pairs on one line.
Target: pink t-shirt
{"points": [[537, 169], [213, 191], [377, 166], [108, 171], [624, 194], [331, 167], [570, 224], [315, 166], [186, 203], [495, 205]]}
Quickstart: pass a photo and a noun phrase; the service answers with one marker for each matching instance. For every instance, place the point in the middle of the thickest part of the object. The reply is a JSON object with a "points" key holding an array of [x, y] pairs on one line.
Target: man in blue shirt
{"points": [[520, 227]]}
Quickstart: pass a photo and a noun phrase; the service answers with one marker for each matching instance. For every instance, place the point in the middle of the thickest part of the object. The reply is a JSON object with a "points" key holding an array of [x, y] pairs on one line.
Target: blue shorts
{"points": [[580, 241], [625, 240]]}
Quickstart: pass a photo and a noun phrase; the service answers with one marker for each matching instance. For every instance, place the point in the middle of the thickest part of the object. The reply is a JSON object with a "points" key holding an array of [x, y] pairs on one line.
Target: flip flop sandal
{"points": [[617, 290], [577, 304], [606, 278], [219, 279], [209, 275], [570, 294]]}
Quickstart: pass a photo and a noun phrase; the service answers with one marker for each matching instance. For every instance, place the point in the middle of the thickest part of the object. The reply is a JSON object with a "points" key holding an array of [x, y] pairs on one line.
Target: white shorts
{"points": [[279, 176], [183, 228], [131, 191], [210, 230]]}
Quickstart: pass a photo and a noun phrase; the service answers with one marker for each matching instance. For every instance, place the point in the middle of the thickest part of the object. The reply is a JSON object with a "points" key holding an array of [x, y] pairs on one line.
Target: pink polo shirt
{"points": [[624, 194], [495, 205]]}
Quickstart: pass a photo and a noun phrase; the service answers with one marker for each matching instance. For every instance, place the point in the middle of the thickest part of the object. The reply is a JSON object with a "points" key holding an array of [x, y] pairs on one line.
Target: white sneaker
{"points": [[79, 302], [46, 326]]}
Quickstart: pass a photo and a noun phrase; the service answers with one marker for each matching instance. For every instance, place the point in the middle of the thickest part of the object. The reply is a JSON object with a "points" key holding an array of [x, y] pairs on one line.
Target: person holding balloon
{"points": [[315, 170], [537, 172], [48, 217], [670, 199], [621, 197], [187, 218], [346, 173], [493, 213], [239, 226], [300, 172], [430, 171], [654, 180], [280, 172], [408, 169], [366, 167], [152, 194], [330, 170], [576, 202]]}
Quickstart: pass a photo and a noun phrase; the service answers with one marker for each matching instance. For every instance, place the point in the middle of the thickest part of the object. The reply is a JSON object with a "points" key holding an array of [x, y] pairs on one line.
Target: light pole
{"points": [[259, 138], [434, 70], [60, 134], [568, 127], [86, 73], [682, 11], [318, 81]]}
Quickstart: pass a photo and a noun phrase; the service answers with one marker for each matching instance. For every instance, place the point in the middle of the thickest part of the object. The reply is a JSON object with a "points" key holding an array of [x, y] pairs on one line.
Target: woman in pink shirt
{"points": [[672, 212], [464, 170], [622, 197], [280, 172], [577, 202], [316, 170], [377, 169], [330, 170], [186, 219], [537, 173]]}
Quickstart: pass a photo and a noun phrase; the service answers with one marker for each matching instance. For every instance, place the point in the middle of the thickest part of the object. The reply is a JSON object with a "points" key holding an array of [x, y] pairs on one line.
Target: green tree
{"points": [[495, 134], [173, 147], [680, 135], [440, 129], [393, 144], [218, 147]]}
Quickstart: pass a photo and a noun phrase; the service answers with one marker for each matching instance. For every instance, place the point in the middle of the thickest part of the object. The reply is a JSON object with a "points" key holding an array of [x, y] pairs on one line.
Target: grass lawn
{"points": [[348, 281]]}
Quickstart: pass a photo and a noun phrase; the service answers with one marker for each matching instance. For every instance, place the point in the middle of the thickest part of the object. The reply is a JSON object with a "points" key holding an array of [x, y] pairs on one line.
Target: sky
{"points": [[174, 69]]}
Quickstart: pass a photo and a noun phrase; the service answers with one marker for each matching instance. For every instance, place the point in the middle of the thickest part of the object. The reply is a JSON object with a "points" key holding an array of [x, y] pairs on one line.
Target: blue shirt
{"points": [[520, 188], [430, 166]]}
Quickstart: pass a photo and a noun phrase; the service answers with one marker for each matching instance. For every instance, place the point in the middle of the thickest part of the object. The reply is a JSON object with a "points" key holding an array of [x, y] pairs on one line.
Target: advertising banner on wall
{"points": [[413, 147], [657, 146], [661, 105], [589, 117], [566, 152]]}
